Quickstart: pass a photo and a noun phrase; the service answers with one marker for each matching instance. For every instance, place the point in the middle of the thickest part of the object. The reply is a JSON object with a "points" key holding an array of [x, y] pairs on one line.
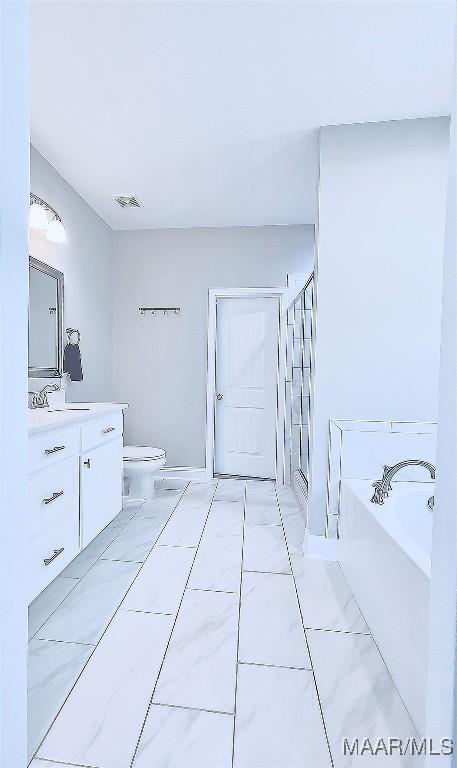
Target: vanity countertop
{"points": [[65, 414]]}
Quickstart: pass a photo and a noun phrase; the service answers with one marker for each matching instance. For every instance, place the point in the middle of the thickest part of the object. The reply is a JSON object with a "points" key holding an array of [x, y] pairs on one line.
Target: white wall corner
{"points": [[442, 673], [14, 205]]}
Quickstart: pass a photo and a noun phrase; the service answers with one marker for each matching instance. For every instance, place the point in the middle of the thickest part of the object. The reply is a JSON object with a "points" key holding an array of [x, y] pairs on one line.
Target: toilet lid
{"points": [[142, 453]]}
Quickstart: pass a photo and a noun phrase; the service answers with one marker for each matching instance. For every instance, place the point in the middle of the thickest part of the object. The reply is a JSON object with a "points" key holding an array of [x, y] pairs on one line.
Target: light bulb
{"points": [[56, 231], [38, 218]]}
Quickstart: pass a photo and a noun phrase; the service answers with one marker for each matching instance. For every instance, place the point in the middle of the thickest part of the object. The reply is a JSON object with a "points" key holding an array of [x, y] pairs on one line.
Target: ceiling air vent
{"points": [[127, 201]]}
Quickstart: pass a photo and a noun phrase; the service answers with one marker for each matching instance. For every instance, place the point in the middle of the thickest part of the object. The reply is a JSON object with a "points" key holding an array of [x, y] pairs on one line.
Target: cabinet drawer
{"points": [[50, 492], [51, 551], [98, 431], [52, 447]]}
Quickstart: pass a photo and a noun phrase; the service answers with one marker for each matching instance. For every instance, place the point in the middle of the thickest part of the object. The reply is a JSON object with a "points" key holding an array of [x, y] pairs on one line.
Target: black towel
{"points": [[72, 362]]}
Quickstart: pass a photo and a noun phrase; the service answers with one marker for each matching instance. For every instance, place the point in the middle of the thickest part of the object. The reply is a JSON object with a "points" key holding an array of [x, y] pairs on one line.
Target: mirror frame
{"points": [[48, 373]]}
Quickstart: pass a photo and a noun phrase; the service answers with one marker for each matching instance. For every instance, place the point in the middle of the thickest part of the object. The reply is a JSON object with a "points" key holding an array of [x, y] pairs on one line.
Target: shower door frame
{"points": [[297, 478]]}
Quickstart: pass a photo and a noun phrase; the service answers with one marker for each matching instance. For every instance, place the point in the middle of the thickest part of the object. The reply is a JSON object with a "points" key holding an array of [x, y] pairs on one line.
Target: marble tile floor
{"points": [[193, 633]]}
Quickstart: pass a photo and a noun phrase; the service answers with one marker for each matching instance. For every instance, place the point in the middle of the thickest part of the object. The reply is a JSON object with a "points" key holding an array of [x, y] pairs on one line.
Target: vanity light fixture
{"points": [[38, 218], [56, 231], [39, 214]]}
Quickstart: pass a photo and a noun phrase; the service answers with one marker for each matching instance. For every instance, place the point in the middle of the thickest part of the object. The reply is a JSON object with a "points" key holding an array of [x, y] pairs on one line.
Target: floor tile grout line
{"points": [[270, 573], [61, 576], [264, 525], [78, 579], [292, 514], [192, 709], [239, 622], [150, 613], [273, 666], [228, 501], [215, 591], [103, 633], [337, 631], [120, 560], [306, 638], [59, 762], [150, 704], [64, 642]]}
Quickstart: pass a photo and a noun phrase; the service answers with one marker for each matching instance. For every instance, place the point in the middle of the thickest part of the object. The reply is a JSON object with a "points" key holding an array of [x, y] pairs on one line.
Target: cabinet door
{"points": [[101, 488]]}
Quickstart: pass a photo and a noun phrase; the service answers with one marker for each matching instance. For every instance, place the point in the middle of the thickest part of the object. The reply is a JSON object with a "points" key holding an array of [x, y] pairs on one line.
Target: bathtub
{"points": [[385, 554]]}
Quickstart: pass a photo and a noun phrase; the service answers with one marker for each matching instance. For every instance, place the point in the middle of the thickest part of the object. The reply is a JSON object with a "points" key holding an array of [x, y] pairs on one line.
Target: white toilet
{"points": [[141, 464]]}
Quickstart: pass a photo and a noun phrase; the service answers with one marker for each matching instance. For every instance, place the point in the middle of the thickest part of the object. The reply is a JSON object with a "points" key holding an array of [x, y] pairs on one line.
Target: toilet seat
{"points": [[142, 453]]}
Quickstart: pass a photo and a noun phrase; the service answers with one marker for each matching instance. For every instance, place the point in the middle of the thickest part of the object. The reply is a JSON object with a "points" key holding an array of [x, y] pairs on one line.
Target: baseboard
{"points": [[320, 547], [187, 473]]}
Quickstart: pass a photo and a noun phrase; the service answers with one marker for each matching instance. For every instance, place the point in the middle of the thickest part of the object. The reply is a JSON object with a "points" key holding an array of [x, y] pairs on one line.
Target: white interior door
{"points": [[247, 338]]}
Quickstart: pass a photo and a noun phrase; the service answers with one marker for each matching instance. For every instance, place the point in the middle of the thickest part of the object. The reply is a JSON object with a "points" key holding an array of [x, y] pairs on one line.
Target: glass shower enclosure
{"points": [[298, 387]]}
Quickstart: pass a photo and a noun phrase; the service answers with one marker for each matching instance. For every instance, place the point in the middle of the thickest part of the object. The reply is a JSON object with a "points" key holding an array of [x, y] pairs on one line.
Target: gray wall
{"points": [[380, 246], [160, 362], [86, 261]]}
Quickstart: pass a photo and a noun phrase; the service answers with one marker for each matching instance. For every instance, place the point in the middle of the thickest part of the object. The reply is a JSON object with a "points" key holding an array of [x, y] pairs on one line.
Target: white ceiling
{"points": [[208, 111]]}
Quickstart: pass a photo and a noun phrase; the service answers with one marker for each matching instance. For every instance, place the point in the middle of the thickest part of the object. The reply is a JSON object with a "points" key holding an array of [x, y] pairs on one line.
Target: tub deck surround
{"points": [[219, 649], [358, 450]]}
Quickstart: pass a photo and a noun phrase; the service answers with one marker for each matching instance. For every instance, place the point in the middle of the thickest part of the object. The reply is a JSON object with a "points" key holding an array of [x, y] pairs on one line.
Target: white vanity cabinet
{"points": [[74, 485]]}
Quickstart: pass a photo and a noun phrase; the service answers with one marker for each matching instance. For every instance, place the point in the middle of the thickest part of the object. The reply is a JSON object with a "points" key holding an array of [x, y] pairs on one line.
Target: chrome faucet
{"points": [[383, 486], [40, 399]]}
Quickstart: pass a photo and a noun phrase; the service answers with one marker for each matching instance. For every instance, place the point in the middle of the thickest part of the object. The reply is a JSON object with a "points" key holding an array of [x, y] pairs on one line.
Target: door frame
{"points": [[14, 282], [238, 293]]}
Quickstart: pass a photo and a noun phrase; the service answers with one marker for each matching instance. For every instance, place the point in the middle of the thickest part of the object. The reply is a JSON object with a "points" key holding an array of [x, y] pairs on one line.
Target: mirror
{"points": [[45, 320]]}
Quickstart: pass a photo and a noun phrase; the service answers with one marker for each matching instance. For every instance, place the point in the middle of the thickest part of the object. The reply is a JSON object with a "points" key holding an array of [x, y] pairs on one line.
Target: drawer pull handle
{"points": [[54, 496], [57, 552], [108, 429], [55, 449], [87, 463]]}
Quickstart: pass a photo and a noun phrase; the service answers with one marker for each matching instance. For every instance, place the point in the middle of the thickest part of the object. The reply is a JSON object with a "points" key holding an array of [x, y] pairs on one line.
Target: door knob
{"points": [[219, 397], [87, 463]]}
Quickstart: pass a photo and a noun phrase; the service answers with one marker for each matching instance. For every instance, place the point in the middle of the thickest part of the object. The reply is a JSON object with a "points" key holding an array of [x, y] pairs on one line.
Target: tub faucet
{"points": [[383, 486]]}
